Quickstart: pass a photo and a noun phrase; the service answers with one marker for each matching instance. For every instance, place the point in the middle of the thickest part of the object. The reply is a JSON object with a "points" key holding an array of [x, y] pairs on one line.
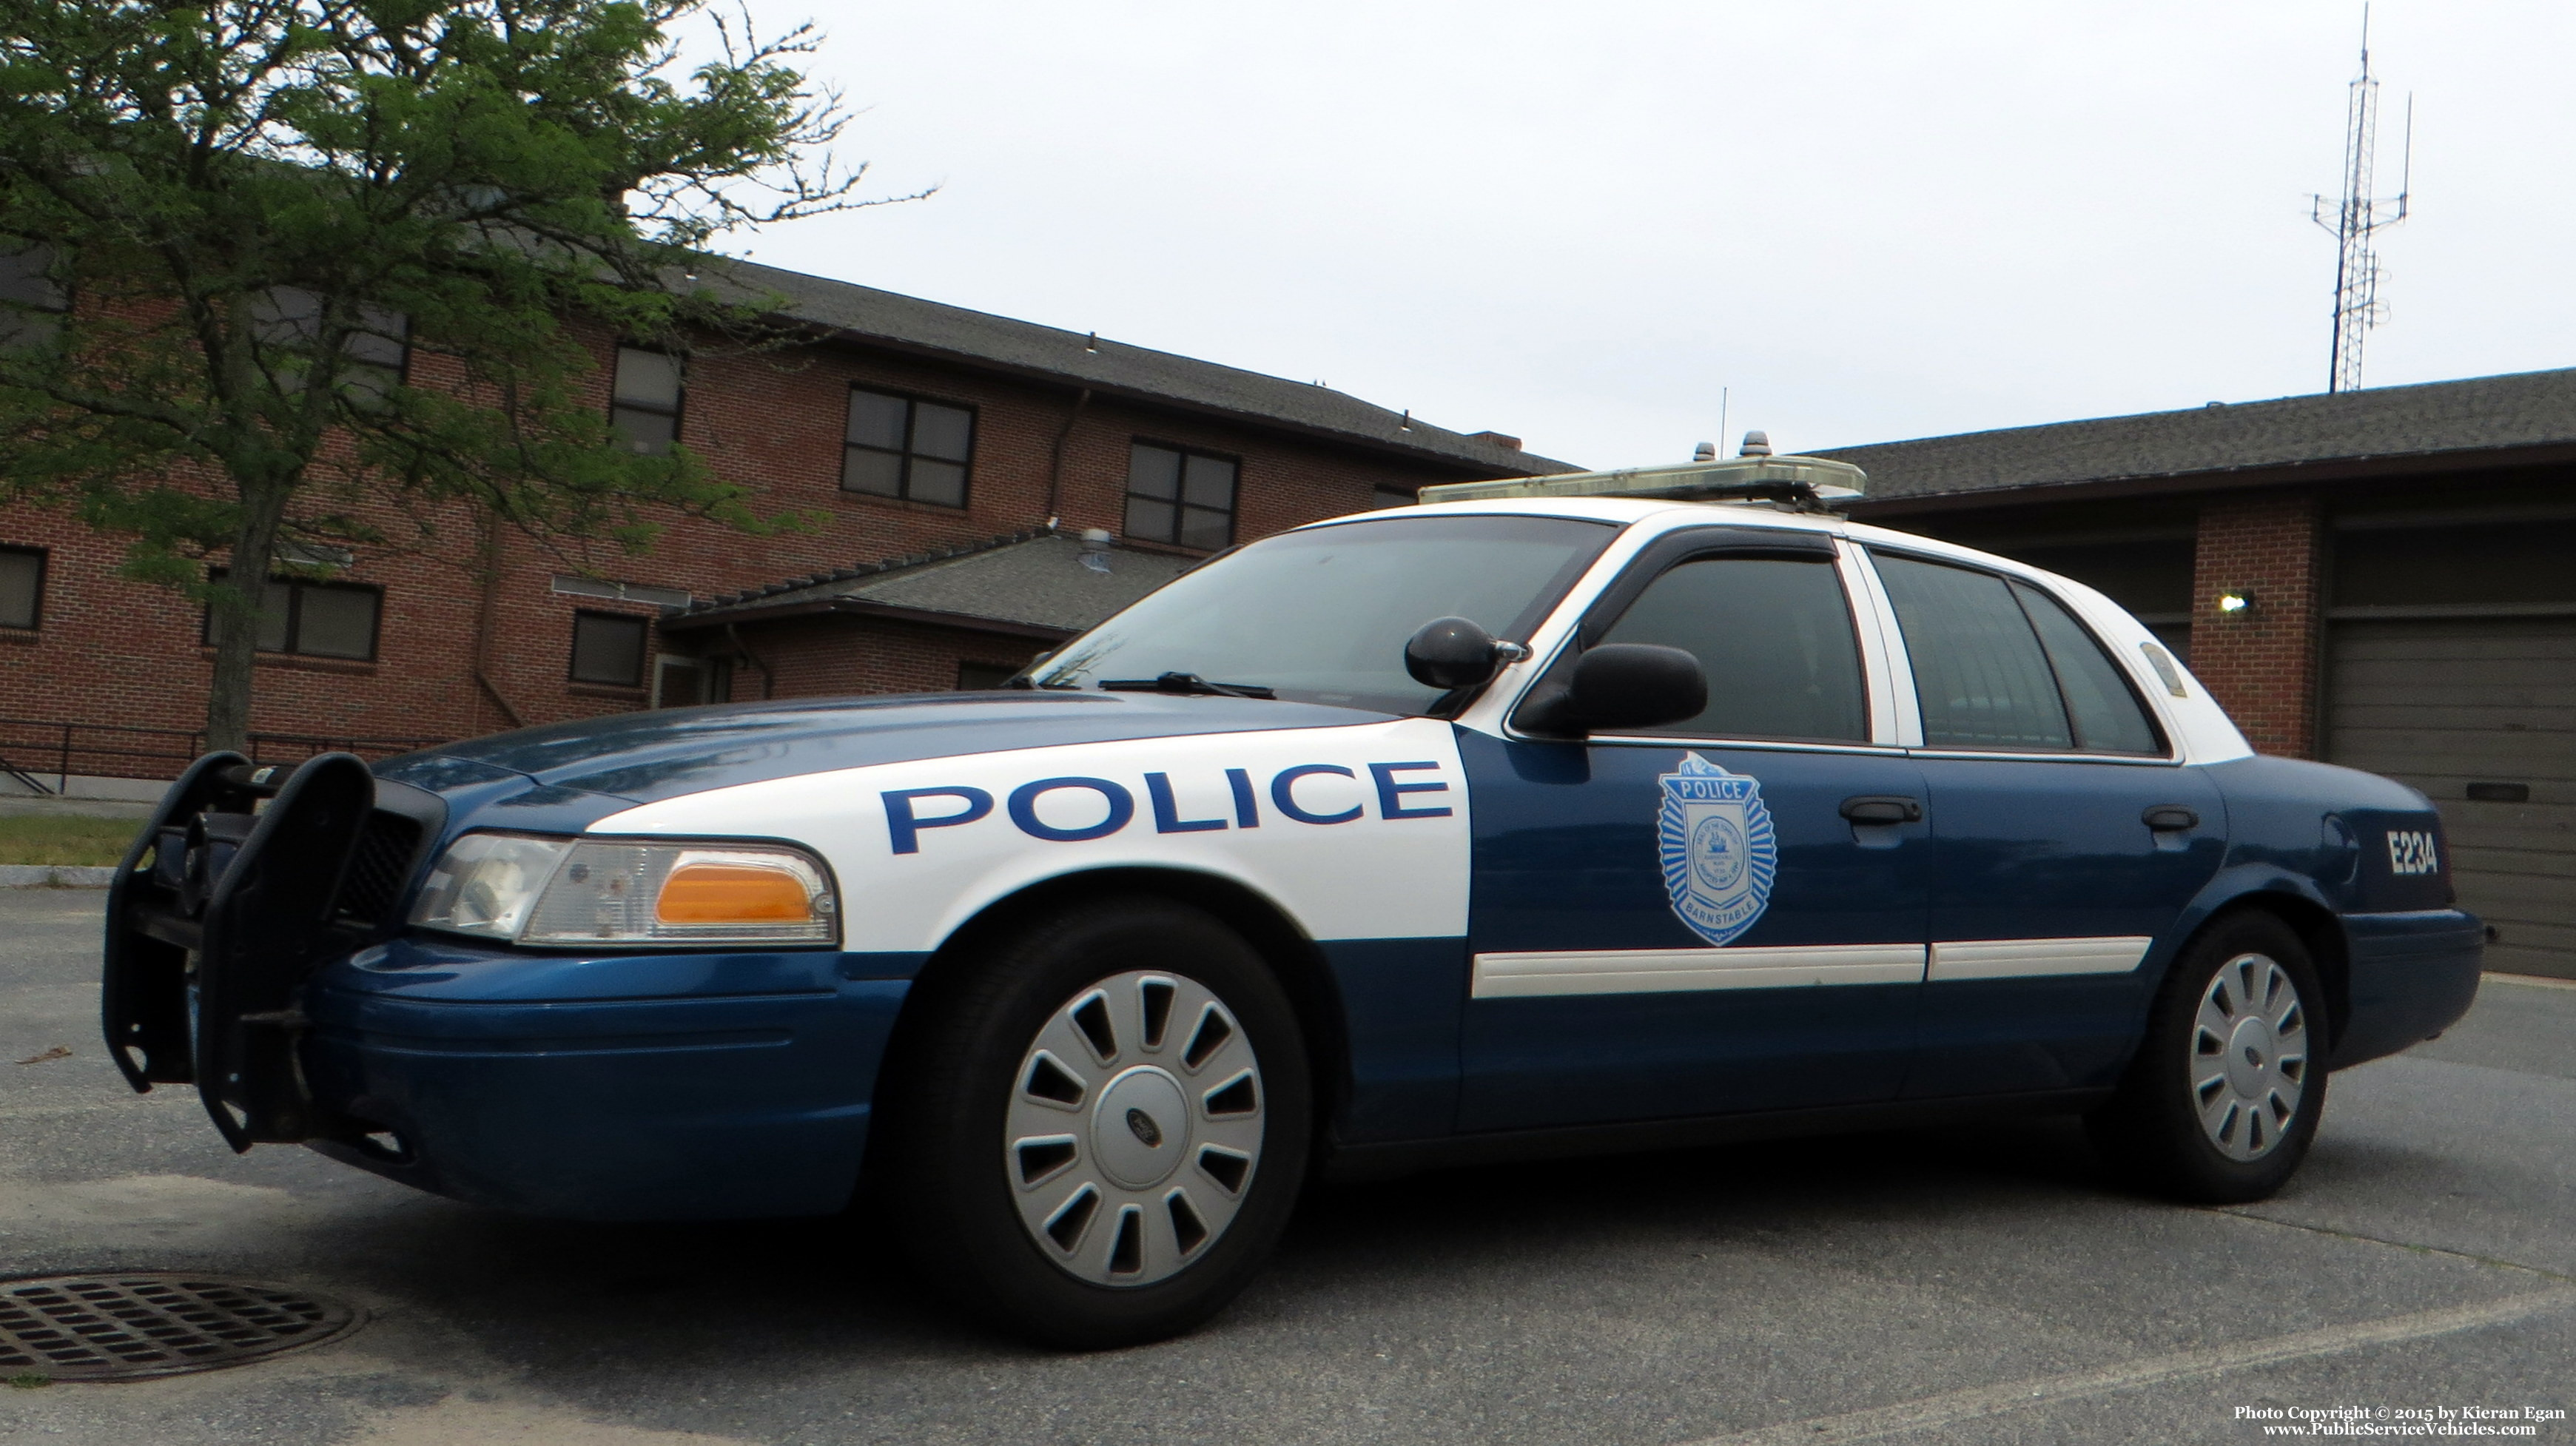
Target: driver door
{"points": [[1690, 920]]}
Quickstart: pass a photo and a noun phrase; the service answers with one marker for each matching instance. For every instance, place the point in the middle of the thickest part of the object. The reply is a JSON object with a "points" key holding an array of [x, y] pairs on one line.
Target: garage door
{"points": [[2480, 713]]}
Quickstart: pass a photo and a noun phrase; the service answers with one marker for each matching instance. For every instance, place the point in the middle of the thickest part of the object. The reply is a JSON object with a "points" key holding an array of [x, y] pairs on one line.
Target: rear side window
{"points": [[1775, 637], [2106, 714], [1984, 677]]}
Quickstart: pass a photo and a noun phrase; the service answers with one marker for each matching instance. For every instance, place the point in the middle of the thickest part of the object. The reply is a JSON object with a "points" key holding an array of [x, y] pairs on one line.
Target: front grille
{"points": [[378, 868]]}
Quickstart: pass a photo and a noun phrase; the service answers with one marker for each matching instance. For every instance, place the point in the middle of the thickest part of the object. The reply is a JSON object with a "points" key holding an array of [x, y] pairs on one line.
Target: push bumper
{"points": [[619, 1087], [257, 952], [2412, 975]]}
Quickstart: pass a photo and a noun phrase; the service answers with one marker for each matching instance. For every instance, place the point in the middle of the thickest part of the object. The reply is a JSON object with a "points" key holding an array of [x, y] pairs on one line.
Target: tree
{"points": [[220, 224]]}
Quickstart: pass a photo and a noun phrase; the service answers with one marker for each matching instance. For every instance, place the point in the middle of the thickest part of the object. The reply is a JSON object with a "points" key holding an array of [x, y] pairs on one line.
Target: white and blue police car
{"points": [[1554, 816]]}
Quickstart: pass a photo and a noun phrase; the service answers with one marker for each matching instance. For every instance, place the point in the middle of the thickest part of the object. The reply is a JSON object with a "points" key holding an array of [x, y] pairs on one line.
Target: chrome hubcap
{"points": [[1134, 1129], [2249, 1056]]}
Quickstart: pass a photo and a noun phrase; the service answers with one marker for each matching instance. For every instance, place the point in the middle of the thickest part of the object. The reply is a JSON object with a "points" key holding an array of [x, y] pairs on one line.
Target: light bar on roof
{"points": [[1813, 480]]}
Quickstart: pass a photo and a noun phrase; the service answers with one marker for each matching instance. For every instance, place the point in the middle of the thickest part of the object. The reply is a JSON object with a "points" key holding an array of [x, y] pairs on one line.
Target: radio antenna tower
{"points": [[2356, 217]]}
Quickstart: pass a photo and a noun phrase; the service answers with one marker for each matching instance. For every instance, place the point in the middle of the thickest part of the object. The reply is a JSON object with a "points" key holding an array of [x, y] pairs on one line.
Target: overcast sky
{"points": [[1578, 222]]}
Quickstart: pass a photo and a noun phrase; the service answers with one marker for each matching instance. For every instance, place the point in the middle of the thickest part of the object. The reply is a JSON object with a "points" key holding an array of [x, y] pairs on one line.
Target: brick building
{"points": [[2385, 578], [920, 435]]}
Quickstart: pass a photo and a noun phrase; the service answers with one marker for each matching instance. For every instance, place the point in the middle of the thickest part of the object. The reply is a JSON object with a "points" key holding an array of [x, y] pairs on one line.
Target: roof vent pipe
{"points": [[1095, 548], [1704, 452], [1756, 444]]}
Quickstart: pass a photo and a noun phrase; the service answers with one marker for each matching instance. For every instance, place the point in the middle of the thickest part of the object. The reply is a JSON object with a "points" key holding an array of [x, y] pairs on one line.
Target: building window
{"points": [[289, 318], [646, 414], [899, 446], [1179, 496], [314, 619], [608, 648], [32, 300], [22, 586]]}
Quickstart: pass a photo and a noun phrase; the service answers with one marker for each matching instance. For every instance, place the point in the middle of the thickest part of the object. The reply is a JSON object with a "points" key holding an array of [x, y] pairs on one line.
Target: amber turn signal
{"points": [[731, 893]]}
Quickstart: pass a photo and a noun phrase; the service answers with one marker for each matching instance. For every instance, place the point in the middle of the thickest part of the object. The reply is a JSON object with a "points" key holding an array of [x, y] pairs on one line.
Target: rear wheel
{"points": [[2225, 1094], [1096, 1129]]}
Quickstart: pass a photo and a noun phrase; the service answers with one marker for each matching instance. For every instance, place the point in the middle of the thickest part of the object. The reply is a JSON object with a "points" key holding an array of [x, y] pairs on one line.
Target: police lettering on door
{"points": [[1293, 794]]}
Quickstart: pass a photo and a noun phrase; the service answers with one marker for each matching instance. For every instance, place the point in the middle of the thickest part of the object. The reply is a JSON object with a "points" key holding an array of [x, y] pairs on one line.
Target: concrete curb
{"points": [[55, 876]]}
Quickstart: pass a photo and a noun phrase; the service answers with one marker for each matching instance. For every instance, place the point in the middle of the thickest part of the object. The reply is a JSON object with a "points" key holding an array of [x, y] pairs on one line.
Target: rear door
{"points": [[1684, 922], [2066, 840]]}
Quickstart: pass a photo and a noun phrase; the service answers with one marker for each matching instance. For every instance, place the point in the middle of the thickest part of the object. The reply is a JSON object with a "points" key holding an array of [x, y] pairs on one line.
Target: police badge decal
{"points": [[1719, 853]]}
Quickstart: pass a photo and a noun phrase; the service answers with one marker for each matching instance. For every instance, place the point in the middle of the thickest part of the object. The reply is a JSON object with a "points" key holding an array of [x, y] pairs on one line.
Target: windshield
{"points": [[1321, 615]]}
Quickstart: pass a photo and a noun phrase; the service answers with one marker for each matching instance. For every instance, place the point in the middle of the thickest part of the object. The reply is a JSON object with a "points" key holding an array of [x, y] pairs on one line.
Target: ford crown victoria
{"points": [[1572, 815]]}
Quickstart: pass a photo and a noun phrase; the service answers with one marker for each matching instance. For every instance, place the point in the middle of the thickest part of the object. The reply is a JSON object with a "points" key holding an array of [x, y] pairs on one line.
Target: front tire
{"points": [[1094, 1129], [2224, 1097]]}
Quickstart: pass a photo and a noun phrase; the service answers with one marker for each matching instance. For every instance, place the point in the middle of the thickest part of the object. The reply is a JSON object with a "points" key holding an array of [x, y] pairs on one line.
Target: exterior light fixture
{"points": [[2235, 603]]}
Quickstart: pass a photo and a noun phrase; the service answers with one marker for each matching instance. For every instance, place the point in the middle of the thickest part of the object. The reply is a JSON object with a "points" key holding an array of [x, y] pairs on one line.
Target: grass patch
{"points": [[63, 838]]}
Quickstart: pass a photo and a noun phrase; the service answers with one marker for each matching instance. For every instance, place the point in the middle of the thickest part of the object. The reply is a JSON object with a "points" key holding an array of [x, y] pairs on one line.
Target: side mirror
{"points": [[1455, 653], [1622, 685]]}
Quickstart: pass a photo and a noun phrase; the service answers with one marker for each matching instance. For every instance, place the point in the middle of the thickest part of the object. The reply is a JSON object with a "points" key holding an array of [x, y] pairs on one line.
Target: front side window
{"points": [[314, 619], [32, 298], [22, 586], [1178, 496], [1986, 679], [645, 414], [899, 446], [1775, 637], [1321, 615], [608, 649]]}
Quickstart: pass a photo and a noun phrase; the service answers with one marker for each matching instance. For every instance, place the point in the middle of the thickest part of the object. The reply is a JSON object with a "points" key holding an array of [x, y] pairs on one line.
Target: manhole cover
{"points": [[116, 1327]]}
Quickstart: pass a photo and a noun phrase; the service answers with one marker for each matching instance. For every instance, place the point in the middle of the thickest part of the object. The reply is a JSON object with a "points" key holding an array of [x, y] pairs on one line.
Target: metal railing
{"points": [[31, 749]]}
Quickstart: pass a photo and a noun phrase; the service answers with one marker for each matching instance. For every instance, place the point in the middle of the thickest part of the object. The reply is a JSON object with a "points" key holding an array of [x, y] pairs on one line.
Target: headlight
{"points": [[523, 889]]}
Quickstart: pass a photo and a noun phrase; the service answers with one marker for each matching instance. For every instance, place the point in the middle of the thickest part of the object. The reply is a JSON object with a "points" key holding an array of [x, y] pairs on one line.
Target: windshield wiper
{"points": [[1190, 683]]}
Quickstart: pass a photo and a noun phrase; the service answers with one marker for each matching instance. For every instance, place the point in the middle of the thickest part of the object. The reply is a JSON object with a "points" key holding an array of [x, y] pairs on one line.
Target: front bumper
{"points": [[2411, 975], [602, 1087]]}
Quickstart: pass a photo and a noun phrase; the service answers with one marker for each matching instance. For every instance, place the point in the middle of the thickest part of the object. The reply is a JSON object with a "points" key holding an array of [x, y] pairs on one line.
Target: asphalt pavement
{"points": [[1968, 1285]]}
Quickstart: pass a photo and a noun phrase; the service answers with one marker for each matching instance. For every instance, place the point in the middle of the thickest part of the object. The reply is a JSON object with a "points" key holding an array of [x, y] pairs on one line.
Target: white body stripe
{"points": [[2031, 958], [1372, 877], [1657, 971], [1801, 966]]}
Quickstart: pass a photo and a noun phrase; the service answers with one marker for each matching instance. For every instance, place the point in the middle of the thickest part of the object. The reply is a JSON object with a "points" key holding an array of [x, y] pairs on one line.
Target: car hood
{"points": [[642, 757]]}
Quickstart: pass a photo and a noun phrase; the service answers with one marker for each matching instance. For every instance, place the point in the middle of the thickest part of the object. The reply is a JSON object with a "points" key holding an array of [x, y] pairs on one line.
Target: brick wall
{"points": [[2261, 665], [821, 657], [110, 651]]}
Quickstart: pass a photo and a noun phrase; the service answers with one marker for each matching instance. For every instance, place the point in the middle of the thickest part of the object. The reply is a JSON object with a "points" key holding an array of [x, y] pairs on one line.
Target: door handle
{"points": [[2170, 818], [1883, 808]]}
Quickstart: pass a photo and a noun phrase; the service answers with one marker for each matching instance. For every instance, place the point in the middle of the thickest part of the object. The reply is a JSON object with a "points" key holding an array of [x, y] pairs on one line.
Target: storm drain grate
{"points": [[154, 1323]]}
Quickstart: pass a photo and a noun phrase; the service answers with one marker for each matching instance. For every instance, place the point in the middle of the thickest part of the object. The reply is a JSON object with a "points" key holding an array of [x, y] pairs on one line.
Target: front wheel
{"points": [[1095, 1129], [2225, 1094]]}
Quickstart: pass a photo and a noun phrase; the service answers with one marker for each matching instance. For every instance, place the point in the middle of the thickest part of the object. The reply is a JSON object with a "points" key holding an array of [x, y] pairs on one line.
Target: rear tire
{"points": [[1093, 1131], [2224, 1097]]}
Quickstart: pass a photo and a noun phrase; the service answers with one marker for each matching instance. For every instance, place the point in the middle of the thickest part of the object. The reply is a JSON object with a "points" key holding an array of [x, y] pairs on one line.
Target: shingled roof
{"points": [[1025, 349], [1033, 584], [2479, 415]]}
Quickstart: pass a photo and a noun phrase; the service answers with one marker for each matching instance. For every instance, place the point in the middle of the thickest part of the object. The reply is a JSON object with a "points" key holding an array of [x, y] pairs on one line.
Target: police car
{"points": [[1554, 816]]}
